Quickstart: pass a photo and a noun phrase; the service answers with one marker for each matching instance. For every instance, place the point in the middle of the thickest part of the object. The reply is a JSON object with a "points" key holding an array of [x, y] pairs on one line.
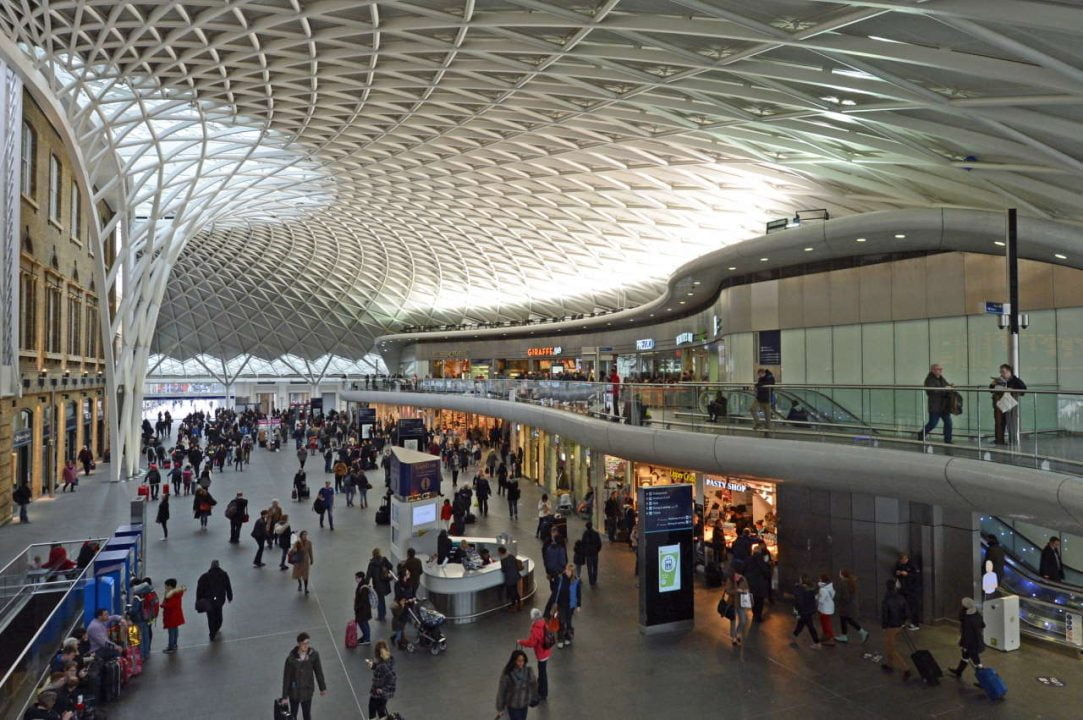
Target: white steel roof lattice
{"points": [[314, 174]]}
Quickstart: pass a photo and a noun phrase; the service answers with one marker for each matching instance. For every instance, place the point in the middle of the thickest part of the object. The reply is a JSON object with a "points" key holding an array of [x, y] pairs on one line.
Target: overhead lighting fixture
{"points": [[860, 240], [691, 294], [1058, 256], [682, 302], [763, 259], [999, 243], [900, 236], [669, 309], [808, 249], [732, 268], [695, 282]]}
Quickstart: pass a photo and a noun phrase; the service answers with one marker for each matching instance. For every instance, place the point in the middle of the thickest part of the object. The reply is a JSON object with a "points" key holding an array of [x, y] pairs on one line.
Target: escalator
{"points": [[1046, 608]]}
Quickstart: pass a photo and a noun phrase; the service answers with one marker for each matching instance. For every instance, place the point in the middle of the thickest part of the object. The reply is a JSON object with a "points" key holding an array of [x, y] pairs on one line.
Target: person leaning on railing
{"points": [[1006, 404]]}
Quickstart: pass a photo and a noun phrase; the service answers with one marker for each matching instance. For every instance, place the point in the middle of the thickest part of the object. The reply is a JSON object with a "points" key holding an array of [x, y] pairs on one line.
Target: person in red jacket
{"points": [[541, 651], [172, 612], [445, 514]]}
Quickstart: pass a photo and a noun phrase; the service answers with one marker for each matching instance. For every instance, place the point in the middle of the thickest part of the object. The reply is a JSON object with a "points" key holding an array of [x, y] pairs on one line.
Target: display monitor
{"points": [[424, 514]]}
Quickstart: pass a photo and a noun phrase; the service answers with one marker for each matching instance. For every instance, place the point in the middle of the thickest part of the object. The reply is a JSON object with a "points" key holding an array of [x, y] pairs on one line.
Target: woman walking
{"points": [[283, 535], [804, 604], [542, 651], [518, 687], [202, 502], [383, 680], [70, 476], [846, 606], [825, 606], [362, 606], [740, 597], [302, 559], [300, 676], [971, 637], [172, 613], [163, 516]]}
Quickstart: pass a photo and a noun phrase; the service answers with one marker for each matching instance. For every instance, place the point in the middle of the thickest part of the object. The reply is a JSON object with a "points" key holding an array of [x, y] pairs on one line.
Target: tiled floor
{"points": [[611, 672]]}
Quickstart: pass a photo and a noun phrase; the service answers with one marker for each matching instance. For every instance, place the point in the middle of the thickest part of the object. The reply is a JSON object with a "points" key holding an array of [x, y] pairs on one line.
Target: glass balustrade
{"points": [[1039, 431]]}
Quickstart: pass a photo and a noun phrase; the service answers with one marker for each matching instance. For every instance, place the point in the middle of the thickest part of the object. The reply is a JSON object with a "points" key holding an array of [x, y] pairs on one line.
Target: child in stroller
{"points": [[427, 620]]}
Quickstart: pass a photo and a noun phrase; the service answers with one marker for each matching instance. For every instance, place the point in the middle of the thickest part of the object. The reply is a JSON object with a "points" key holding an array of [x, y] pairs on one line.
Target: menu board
{"points": [[666, 508]]}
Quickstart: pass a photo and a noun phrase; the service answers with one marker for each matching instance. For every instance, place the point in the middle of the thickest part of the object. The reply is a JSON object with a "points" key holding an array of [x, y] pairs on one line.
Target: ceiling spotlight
{"points": [[669, 309], [999, 243], [763, 259], [732, 268], [695, 282], [860, 240], [900, 236], [1058, 256], [808, 249], [682, 302], [652, 314], [691, 294]]}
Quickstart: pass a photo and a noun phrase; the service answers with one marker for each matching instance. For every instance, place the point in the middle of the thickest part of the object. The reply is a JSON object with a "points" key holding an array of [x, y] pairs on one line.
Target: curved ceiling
{"points": [[339, 169]]}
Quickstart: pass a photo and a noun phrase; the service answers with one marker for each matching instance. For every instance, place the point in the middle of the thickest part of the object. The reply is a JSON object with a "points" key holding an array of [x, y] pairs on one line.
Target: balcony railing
{"points": [[1043, 429]]}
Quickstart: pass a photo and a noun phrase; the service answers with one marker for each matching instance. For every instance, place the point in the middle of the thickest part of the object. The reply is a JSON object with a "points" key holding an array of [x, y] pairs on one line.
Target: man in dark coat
{"points": [[237, 514], [908, 576], [483, 491], [940, 397], [509, 568], [971, 640], [758, 574], [591, 546], [215, 588], [1051, 566]]}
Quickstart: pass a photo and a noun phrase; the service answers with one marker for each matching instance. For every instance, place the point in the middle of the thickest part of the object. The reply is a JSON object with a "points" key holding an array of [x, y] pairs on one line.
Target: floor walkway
{"points": [[611, 672]]}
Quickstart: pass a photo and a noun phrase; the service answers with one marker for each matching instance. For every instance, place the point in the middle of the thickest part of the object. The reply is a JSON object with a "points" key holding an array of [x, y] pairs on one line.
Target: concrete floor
{"points": [[611, 672]]}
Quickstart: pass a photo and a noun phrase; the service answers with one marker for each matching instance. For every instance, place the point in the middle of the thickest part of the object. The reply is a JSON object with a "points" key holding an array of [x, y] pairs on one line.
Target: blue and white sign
{"points": [[685, 338], [645, 344], [997, 308]]}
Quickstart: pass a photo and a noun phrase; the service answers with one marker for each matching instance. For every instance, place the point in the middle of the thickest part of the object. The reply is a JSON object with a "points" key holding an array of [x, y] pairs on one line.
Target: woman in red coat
{"points": [[541, 652], [172, 612]]}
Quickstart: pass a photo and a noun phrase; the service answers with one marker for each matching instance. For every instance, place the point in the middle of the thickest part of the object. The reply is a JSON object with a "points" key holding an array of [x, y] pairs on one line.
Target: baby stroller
{"points": [[427, 620]]}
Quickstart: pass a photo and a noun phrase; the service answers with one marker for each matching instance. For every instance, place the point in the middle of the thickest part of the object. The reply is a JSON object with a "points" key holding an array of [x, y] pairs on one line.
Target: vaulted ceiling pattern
{"points": [[338, 169]]}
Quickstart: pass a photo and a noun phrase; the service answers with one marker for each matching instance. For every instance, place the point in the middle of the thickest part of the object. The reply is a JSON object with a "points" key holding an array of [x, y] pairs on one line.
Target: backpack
{"points": [[151, 606], [231, 511], [549, 638]]}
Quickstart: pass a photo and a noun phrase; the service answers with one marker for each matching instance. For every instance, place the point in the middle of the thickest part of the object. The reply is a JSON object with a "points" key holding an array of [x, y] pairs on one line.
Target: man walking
{"points": [[21, 497], [327, 496], [908, 577], [893, 612], [213, 591], [939, 402], [764, 380], [1051, 567], [482, 490], [591, 546], [237, 514], [509, 568]]}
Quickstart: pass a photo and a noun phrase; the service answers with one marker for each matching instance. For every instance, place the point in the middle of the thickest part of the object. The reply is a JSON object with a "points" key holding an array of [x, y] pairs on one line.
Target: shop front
{"points": [[22, 439], [734, 503], [693, 352], [452, 368]]}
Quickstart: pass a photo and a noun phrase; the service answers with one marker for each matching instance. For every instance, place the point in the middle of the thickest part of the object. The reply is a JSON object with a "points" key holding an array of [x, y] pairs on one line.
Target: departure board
{"points": [[666, 508]]}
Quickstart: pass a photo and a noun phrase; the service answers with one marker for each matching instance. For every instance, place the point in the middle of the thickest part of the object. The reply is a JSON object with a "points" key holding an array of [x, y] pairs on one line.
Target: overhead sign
{"points": [[645, 344], [685, 338], [716, 325], [997, 308], [543, 351], [366, 416]]}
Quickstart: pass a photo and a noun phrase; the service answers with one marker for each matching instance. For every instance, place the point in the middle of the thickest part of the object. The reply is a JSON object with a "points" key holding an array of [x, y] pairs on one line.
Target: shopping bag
{"points": [[1007, 403]]}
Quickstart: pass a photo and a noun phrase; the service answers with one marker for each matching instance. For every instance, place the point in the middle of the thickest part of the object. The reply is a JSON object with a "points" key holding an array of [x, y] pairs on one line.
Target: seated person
{"points": [[471, 559], [797, 413], [98, 634], [44, 708], [717, 407], [486, 558]]}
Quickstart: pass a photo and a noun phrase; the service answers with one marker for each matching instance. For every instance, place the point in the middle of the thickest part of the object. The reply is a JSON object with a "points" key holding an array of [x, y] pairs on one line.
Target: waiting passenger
{"points": [[797, 413], [717, 407]]}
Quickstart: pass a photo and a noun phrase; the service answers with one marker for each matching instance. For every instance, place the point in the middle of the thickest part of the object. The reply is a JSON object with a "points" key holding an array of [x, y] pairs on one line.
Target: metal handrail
{"points": [[605, 384]]}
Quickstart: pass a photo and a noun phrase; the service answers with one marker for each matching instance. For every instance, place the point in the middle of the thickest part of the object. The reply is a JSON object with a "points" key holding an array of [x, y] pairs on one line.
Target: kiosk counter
{"points": [[465, 595]]}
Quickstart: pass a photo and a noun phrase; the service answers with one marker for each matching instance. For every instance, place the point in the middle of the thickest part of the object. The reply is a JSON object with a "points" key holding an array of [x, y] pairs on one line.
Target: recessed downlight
{"points": [[732, 268], [900, 236], [695, 282], [763, 259], [808, 249], [682, 302], [691, 294]]}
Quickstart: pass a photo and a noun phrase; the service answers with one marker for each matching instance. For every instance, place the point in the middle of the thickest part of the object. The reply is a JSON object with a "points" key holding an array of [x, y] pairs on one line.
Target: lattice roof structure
{"points": [[297, 178]]}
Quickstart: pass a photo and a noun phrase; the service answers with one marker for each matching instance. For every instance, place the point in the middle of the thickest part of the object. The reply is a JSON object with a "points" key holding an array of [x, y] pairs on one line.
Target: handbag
{"points": [[203, 605], [1007, 403]]}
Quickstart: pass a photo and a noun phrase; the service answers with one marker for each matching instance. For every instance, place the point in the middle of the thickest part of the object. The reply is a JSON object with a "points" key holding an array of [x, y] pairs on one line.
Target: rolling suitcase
{"points": [[927, 667], [351, 635], [990, 682]]}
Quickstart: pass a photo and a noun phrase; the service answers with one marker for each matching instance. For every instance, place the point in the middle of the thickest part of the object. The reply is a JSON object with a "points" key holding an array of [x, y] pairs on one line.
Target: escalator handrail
{"points": [[1033, 544], [1032, 575]]}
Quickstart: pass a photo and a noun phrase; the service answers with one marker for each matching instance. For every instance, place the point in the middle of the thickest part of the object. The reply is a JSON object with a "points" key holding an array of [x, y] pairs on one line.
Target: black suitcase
{"points": [[282, 709], [383, 516], [470, 519], [927, 667], [305, 492], [713, 575]]}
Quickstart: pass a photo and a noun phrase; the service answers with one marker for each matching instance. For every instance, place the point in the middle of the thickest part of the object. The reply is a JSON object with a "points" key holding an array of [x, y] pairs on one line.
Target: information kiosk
{"points": [[666, 559], [415, 502]]}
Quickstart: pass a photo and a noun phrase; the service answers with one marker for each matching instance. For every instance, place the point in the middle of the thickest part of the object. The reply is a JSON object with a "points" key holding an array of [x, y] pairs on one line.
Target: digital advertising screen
{"points": [[666, 601], [424, 514]]}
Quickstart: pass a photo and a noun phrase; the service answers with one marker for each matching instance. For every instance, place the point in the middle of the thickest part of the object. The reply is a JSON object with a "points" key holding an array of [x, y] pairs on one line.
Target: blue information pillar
{"points": [[666, 558]]}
